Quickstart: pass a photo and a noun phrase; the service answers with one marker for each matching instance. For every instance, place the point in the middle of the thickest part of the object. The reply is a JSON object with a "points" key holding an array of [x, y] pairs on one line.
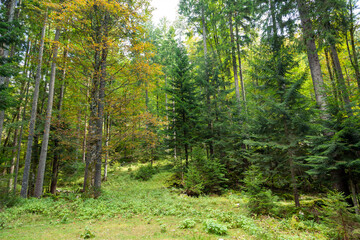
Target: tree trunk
{"points": [[236, 79], [333, 84], [243, 92], [56, 159], [4, 80], [313, 58], [13, 162], [354, 56], [341, 80], [108, 131], [294, 183], [25, 181], [21, 136], [204, 34], [354, 196], [45, 142]]}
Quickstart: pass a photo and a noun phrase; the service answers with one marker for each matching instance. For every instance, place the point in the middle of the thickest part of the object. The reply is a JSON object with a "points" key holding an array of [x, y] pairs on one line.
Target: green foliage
{"points": [[6, 98], [187, 223], [214, 227], [163, 228], [261, 201], [8, 199], [87, 233], [144, 173], [337, 215], [205, 176]]}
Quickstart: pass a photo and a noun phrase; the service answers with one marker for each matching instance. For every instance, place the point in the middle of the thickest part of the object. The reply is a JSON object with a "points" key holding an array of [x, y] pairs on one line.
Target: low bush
{"points": [[205, 176], [337, 215], [187, 223], [144, 173], [262, 201], [214, 227]]}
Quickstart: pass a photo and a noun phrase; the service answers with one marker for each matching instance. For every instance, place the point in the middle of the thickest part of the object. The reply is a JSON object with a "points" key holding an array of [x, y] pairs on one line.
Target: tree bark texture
{"points": [[4, 80], [341, 80], [25, 181], [233, 55], [313, 58], [45, 142]]}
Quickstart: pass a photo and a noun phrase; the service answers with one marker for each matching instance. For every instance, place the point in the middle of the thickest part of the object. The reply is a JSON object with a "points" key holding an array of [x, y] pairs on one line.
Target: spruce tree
{"points": [[182, 118]]}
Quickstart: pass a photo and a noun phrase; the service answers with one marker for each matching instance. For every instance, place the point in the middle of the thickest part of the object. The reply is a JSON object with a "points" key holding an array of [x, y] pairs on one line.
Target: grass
{"points": [[132, 209]]}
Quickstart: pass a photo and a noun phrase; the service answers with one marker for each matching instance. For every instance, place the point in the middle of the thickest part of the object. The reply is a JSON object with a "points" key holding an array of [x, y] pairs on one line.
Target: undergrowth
{"points": [[125, 197]]}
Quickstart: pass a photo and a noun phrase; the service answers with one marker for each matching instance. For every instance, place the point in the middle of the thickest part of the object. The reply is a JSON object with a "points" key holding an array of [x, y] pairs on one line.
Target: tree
{"points": [[45, 142], [25, 180], [312, 54], [182, 93]]}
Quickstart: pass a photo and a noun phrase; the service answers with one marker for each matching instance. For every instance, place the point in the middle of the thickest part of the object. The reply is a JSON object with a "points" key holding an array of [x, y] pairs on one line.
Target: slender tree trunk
{"points": [[341, 80], [16, 135], [84, 139], [21, 136], [25, 181], [354, 196], [5, 80], [313, 58], [333, 84], [236, 79], [100, 117], [354, 56], [13, 162], [207, 76], [45, 142], [56, 159], [294, 183], [243, 92], [108, 136]]}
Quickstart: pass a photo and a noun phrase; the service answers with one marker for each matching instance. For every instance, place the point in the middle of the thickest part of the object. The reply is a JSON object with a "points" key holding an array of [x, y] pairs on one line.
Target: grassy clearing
{"points": [[132, 209]]}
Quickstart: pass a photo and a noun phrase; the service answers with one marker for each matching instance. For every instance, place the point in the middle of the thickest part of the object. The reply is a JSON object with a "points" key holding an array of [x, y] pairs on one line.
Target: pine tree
{"points": [[182, 95]]}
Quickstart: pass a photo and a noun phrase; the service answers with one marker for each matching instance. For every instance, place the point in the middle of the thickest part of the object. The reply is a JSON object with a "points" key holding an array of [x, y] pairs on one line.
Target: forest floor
{"points": [[132, 209]]}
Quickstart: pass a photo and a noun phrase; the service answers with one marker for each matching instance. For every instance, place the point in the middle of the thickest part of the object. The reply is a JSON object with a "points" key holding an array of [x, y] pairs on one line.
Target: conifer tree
{"points": [[181, 90]]}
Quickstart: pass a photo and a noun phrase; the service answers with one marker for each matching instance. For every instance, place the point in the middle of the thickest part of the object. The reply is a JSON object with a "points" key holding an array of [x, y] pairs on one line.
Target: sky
{"points": [[164, 8]]}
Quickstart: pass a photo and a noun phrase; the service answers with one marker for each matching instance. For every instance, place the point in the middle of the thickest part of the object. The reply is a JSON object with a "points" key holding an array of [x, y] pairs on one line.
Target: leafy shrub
{"points": [[187, 223], [205, 175], [261, 200], [8, 199], [144, 173], [337, 215], [87, 233], [214, 227]]}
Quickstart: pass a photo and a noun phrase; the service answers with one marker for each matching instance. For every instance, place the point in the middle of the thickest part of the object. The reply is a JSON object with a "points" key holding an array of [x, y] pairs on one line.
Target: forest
{"points": [[239, 120]]}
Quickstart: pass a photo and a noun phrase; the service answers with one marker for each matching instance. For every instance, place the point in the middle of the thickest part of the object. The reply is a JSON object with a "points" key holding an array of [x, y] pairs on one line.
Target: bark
{"points": [[100, 117], [341, 80], [84, 139], [107, 140], [243, 92], [204, 34], [25, 181], [20, 137], [354, 56], [294, 183], [313, 58], [3, 80], [56, 159], [333, 84], [91, 137], [236, 79], [45, 141], [354, 196]]}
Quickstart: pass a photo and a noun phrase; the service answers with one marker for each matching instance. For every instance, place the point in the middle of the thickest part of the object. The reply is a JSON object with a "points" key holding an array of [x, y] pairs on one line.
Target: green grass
{"points": [[132, 209]]}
